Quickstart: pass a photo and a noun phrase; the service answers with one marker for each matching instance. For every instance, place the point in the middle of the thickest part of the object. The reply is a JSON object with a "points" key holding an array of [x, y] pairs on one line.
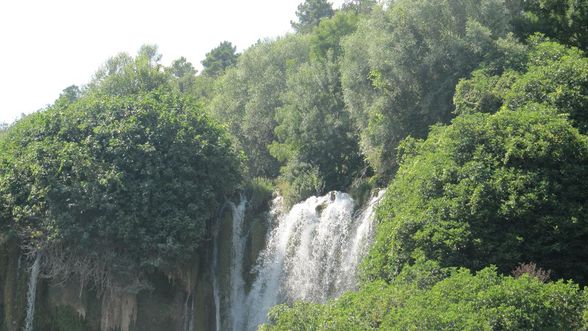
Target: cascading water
{"points": [[188, 318], [229, 295], [311, 253], [215, 285], [32, 293], [239, 239], [360, 244]]}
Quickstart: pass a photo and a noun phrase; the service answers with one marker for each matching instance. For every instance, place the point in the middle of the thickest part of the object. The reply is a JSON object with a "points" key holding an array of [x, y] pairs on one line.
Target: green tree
{"points": [[130, 181], [401, 66], [313, 129], [310, 13], [548, 73], [248, 95], [563, 20], [71, 93], [219, 59], [489, 189], [124, 75], [184, 74], [327, 36]]}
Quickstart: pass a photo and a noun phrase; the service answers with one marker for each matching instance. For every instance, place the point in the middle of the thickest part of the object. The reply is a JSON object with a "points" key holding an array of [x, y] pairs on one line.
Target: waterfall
{"points": [[360, 244], [31, 295], [215, 286], [188, 318], [229, 298], [311, 254], [239, 239]]}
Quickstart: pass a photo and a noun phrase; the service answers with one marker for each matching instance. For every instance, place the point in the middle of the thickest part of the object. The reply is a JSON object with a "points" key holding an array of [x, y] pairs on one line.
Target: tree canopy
{"points": [[219, 59], [130, 173], [401, 66], [489, 189], [248, 96], [310, 13]]}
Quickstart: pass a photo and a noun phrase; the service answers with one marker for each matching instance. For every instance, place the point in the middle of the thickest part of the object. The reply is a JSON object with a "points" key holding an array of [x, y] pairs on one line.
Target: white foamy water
{"points": [[312, 253], [239, 239], [32, 293]]}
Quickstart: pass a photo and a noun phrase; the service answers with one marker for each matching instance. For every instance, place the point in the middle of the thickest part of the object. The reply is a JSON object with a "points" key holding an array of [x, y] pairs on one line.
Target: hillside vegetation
{"points": [[473, 113]]}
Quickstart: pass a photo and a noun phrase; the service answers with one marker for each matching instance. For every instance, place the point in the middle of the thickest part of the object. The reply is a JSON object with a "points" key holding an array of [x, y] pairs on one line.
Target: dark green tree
{"points": [[564, 20], [310, 13], [497, 189], [359, 6], [129, 181], [219, 59]]}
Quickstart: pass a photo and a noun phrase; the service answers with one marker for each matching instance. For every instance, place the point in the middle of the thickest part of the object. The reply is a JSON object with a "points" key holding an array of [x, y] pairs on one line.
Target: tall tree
{"points": [[219, 59], [184, 74], [315, 136], [249, 94], [310, 13], [400, 67]]}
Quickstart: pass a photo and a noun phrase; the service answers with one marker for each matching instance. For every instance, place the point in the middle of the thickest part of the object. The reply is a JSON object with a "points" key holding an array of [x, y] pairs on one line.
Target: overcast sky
{"points": [[49, 45]]}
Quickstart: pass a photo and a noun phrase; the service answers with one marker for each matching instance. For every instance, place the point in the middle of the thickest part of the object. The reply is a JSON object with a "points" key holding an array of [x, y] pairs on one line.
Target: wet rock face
{"points": [[258, 225], [13, 285], [173, 303], [240, 239]]}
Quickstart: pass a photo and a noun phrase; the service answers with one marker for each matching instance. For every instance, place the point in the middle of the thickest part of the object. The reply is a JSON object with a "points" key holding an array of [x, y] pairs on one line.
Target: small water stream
{"points": [[32, 293]]}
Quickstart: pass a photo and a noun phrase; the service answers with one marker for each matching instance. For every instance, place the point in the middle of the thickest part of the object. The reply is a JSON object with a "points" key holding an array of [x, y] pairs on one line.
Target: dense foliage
{"points": [[502, 184], [564, 20], [132, 178], [543, 72], [462, 301], [473, 113], [401, 66], [248, 96], [489, 189]]}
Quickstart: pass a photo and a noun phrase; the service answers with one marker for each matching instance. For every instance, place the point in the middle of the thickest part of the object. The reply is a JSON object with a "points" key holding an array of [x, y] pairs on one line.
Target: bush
{"points": [[460, 301]]}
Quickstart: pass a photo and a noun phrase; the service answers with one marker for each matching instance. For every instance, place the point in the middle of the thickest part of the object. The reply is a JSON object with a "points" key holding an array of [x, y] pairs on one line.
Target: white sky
{"points": [[45, 46]]}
